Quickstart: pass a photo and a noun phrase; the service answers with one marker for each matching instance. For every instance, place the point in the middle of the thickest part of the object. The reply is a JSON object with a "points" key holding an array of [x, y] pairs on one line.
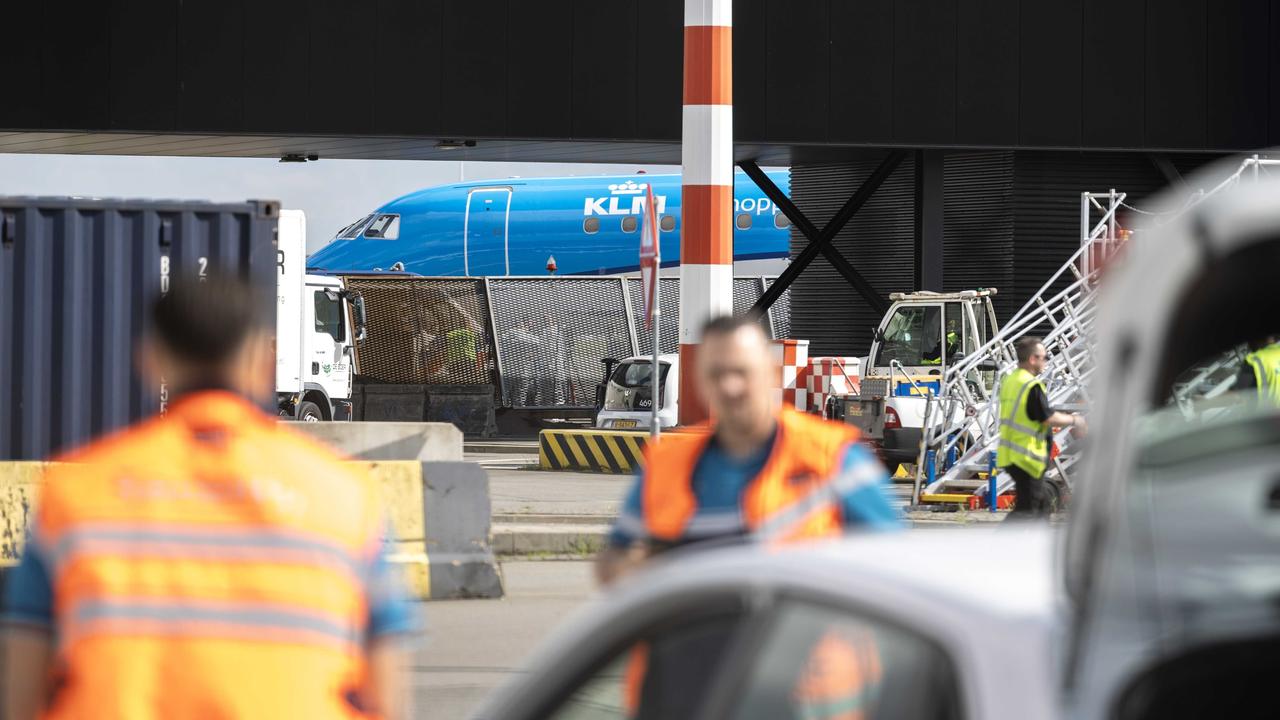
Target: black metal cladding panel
{"points": [[879, 241], [77, 279], [1046, 208], [552, 334], [409, 326], [977, 223], [1177, 74]]}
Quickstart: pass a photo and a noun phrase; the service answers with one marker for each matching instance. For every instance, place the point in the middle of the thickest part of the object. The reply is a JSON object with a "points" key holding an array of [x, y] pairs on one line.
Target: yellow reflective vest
{"points": [[1266, 370], [1023, 441]]}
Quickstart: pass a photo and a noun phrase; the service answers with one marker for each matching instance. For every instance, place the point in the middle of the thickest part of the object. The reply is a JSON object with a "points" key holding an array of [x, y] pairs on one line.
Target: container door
{"points": [[486, 231]]}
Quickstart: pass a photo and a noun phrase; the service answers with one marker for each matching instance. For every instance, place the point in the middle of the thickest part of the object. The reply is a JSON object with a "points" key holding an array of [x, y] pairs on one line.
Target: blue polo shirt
{"points": [[719, 481]]}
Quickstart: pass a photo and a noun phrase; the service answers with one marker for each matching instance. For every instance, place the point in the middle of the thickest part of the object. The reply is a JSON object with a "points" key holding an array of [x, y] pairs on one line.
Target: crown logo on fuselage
{"points": [[628, 188], [624, 198]]}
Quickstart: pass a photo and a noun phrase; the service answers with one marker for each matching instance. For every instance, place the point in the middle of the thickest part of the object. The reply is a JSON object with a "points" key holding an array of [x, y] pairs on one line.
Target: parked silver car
{"points": [[950, 623]]}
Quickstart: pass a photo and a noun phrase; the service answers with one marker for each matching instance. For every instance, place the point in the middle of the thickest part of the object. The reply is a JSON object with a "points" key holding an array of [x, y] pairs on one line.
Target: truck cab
{"points": [[920, 336], [318, 322]]}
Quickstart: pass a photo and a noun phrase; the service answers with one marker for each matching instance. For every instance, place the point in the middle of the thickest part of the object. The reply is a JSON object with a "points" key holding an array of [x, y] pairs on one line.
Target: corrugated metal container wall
{"points": [[977, 225], [77, 278], [1046, 207], [879, 241], [1011, 219]]}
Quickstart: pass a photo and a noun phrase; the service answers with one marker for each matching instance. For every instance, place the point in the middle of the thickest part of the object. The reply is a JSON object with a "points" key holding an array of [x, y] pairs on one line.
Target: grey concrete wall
{"points": [[456, 515], [388, 440]]}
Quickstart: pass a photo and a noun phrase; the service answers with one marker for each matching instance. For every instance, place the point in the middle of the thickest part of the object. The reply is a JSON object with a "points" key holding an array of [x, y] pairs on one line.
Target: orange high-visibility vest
{"points": [[208, 563], [807, 453]]}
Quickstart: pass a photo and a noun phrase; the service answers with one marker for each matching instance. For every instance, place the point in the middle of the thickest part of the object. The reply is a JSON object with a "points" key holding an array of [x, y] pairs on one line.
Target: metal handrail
{"points": [[894, 363], [1071, 312]]}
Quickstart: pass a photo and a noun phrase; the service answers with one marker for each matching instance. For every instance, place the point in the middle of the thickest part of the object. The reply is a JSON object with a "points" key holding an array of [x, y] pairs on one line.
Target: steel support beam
{"points": [[820, 241], [1167, 170], [928, 217]]}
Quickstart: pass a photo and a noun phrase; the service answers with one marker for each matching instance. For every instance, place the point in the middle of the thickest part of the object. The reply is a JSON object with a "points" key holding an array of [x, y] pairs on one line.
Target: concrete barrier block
{"points": [[439, 514], [19, 489], [388, 440], [456, 513]]}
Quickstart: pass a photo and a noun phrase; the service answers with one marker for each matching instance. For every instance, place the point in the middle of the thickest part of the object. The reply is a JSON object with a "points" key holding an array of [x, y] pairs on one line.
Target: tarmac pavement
{"points": [[472, 646]]}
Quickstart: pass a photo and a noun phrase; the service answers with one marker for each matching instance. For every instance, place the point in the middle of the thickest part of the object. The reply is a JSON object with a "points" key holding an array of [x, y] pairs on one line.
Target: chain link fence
{"points": [[552, 334], [426, 331], [543, 337]]}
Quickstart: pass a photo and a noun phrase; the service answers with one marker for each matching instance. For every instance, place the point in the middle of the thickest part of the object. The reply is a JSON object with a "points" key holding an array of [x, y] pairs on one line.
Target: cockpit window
{"points": [[352, 231], [385, 227]]}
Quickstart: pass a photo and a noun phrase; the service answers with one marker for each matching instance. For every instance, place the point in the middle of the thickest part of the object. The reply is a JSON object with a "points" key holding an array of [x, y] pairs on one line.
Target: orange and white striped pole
{"points": [[706, 202]]}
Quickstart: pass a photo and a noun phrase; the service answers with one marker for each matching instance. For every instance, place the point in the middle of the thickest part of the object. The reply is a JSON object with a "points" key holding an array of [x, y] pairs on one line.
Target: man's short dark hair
{"points": [[1026, 347], [205, 321], [729, 324]]}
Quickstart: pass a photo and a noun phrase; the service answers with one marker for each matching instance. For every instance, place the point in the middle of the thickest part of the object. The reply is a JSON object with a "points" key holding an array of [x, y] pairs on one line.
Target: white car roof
{"points": [[985, 596]]}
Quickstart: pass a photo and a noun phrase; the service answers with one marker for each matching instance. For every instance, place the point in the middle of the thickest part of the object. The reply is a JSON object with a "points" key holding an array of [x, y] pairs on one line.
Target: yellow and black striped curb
{"points": [[602, 451]]}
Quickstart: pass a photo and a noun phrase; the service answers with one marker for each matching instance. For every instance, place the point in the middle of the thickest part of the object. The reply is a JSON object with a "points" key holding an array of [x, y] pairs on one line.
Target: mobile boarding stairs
{"points": [[961, 423]]}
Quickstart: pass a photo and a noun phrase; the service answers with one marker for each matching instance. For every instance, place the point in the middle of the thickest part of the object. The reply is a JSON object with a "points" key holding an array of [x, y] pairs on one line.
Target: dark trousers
{"points": [[1031, 497]]}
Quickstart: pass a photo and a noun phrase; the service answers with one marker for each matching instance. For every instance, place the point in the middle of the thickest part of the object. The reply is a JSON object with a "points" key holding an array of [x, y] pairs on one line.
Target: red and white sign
{"points": [[650, 255]]}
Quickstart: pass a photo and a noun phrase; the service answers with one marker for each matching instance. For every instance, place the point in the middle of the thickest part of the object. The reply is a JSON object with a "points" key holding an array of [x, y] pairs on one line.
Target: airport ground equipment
{"points": [[318, 322], [921, 337], [962, 426]]}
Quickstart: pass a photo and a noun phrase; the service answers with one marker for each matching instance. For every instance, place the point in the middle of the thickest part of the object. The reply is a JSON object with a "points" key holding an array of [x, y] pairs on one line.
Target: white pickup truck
{"points": [[318, 322], [920, 335]]}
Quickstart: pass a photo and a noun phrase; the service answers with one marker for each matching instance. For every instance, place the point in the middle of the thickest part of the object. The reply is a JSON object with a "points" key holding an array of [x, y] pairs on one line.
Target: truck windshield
{"points": [[638, 373], [911, 337]]}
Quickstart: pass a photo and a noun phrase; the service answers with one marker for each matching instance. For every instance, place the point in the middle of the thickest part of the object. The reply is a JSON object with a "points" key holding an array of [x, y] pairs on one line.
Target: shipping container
{"points": [[77, 279]]}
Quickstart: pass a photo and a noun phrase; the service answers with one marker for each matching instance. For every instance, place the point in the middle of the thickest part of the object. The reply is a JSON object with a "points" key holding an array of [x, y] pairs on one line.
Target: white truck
{"points": [[920, 335], [318, 322]]}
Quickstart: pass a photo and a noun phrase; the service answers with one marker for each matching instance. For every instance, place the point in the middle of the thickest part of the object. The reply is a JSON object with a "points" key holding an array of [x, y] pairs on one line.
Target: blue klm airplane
{"points": [[589, 225]]}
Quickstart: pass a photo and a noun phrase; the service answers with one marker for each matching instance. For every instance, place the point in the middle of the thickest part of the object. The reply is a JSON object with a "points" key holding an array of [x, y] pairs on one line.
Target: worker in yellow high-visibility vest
{"points": [[1261, 370], [1026, 421]]}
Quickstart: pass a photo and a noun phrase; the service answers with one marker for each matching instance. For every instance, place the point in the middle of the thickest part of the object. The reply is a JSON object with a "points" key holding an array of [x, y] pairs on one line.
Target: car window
{"points": [[666, 674], [820, 661], [953, 330], [912, 332], [329, 315], [639, 374]]}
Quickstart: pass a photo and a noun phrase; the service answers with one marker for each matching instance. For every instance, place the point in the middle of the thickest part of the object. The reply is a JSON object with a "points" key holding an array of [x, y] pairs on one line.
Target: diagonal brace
{"points": [[820, 242]]}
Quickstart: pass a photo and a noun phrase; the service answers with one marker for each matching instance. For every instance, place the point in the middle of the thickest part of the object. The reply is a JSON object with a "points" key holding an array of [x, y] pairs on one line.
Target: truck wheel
{"points": [[309, 412], [1054, 496]]}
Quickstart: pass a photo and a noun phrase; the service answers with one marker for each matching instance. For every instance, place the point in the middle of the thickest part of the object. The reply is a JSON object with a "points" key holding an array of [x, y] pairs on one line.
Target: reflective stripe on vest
{"points": [[220, 541], [1266, 372], [806, 457], [1022, 440]]}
